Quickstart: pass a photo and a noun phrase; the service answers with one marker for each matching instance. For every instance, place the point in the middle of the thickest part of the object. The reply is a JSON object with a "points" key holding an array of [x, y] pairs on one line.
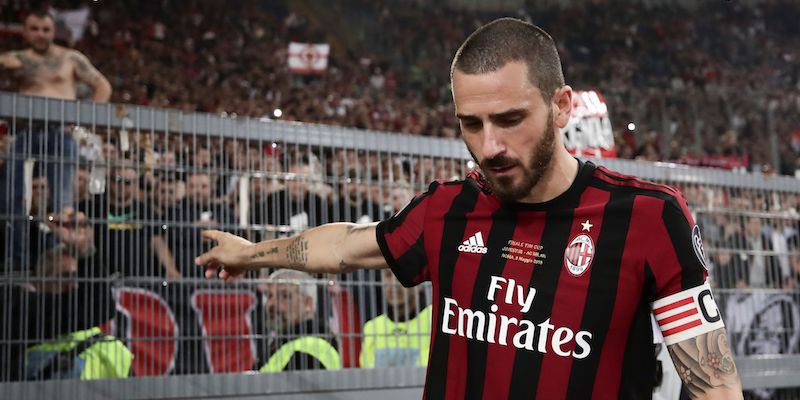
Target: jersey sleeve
{"points": [[402, 241], [683, 305]]}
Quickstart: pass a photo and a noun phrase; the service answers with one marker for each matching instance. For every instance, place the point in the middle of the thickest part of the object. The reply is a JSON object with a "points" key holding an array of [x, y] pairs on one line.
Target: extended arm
{"points": [[165, 257], [706, 367], [331, 248], [86, 72]]}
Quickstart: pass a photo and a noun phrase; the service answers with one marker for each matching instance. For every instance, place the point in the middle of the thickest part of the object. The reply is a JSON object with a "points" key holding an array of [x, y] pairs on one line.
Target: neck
{"points": [[402, 312], [558, 178], [44, 53]]}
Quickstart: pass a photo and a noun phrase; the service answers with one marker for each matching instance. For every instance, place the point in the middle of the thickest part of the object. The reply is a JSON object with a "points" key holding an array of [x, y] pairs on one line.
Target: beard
{"points": [[532, 171], [39, 46]]}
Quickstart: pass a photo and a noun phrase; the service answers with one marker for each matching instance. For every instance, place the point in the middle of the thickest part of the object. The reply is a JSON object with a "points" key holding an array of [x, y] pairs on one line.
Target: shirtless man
{"points": [[45, 70], [49, 70]]}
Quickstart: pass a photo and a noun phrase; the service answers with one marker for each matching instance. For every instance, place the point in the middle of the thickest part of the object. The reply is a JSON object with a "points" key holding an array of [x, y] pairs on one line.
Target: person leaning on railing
{"points": [[47, 70], [80, 354], [296, 340], [401, 336]]}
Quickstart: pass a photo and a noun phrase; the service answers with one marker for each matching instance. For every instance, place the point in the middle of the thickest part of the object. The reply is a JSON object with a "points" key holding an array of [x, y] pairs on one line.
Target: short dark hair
{"points": [[40, 12], [504, 40]]}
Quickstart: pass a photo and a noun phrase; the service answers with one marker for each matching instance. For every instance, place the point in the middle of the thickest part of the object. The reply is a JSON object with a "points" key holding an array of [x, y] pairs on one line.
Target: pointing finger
{"points": [[212, 234]]}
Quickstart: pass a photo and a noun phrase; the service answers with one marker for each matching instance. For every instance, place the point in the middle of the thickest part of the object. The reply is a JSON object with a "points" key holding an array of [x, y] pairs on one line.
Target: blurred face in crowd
{"points": [[167, 159], [165, 193], [40, 195], [752, 228], [82, 184], [5, 143], [508, 127], [110, 151], [298, 181], [232, 148], [122, 186], [400, 197], [286, 305], [355, 188], [794, 261], [39, 32], [202, 158], [259, 187], [395, 294], [198, 188], [256, 160]]}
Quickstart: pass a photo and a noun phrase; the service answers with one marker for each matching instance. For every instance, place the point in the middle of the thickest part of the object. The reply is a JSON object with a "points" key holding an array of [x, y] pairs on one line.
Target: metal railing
{"points": [[144, 182]]}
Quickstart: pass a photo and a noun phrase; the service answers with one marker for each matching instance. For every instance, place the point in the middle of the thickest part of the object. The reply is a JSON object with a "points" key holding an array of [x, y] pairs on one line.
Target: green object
{"points": [[314, 346], [101, 356], [391, 344]]}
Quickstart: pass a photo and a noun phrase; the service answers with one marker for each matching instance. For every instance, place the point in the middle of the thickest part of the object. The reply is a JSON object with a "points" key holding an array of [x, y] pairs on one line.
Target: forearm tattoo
{"points": [[263, 253], [297, 252], [705, 363]]}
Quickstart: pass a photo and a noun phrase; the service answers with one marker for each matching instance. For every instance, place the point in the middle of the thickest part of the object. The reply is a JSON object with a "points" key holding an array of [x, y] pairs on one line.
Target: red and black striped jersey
{"points": [[549, 300]]}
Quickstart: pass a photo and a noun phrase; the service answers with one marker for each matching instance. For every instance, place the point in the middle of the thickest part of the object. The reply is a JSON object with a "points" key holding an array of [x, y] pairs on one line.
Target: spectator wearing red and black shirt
{"points": [[544, 269]]}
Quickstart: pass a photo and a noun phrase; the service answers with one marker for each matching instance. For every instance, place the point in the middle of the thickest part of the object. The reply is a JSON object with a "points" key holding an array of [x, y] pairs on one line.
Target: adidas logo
{"points": [[473, 245]]}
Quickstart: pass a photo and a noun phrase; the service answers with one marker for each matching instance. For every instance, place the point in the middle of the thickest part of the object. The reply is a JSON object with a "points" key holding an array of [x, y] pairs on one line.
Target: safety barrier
{"points": [[146, 181]]}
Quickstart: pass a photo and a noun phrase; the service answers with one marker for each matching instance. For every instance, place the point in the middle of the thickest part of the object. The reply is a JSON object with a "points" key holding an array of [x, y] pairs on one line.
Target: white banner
{"points": [[308, 58], [74, 20], [588, 132]]}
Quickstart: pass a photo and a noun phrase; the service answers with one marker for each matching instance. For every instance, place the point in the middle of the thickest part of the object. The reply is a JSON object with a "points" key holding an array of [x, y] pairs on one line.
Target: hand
{"points": [[229, 254], [9, 61], [71, 228]]}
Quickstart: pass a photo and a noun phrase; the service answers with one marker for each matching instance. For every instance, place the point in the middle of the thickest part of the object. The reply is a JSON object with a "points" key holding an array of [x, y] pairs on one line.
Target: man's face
{"points": [[198, 188], [165, 193], [298, 182], [82, 177], [122, 186], [753, 228], [202, 158], [395, 294], [40, 195], [285, 305], [507, 126], [39, 32], [400, 197], [355, 189], [110, 152], [794, 261]]}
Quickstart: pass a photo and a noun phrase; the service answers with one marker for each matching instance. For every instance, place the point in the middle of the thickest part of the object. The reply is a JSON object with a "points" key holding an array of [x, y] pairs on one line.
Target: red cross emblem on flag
{"points": [[579, 254]]}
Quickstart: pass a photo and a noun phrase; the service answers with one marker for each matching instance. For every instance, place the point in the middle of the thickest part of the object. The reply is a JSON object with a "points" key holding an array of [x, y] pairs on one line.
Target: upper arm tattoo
{"points": [[705, 363], [84, 69], [297, 252]]}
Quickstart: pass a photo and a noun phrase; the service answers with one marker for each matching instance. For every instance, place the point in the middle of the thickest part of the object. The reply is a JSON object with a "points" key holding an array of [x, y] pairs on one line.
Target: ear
{"points": [[562, 105]]}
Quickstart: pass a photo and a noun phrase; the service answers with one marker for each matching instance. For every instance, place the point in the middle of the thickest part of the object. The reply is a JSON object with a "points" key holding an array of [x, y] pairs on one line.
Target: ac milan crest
{"points": [[579, 254], [697, 243]]}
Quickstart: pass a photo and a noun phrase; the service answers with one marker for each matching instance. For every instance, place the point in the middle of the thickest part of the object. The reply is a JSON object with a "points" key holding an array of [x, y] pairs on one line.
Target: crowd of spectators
{"points": [[710, 79], [707, 82]]}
